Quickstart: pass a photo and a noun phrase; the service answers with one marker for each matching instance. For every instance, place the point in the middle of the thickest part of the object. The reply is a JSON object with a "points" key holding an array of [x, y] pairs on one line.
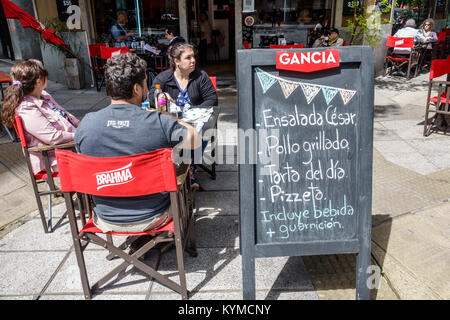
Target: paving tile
{"points": [[214, 203], [31, 237], [211, 270], [26, 273], [217, 231], [96, 297], [225, 181], [68, 281], [428, 231]]}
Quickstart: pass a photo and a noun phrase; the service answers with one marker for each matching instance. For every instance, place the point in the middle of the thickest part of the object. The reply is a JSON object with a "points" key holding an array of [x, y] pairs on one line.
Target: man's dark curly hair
{"points": [[122, 73]]}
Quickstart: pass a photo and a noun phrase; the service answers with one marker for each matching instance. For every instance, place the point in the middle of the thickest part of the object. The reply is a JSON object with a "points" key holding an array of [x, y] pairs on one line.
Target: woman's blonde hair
{"points": [[430, 21], [27, 72]]}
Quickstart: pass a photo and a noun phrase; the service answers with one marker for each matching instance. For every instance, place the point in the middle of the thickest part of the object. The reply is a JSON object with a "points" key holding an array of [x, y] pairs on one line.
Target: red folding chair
{"points": [[396, 61], [287, 46], [129, 176], [97, 64], [439, 67], [246, 44], [41, 177], [108, 52]]}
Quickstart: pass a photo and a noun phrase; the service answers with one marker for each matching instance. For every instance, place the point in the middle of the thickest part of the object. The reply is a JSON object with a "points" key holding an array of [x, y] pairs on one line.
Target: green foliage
{"points": [[366, 23]]}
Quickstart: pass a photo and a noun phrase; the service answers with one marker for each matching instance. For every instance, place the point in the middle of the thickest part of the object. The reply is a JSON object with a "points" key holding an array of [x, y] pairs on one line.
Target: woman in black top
{"points": [[184, 84]]}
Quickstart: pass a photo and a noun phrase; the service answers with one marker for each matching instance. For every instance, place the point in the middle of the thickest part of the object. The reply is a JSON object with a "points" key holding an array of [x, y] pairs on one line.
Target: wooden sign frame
{"points": [[248, 60]]}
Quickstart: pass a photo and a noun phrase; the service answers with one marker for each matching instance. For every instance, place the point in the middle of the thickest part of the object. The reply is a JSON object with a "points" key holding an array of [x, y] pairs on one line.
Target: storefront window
{"points": [[146, 18], [279, 12]]}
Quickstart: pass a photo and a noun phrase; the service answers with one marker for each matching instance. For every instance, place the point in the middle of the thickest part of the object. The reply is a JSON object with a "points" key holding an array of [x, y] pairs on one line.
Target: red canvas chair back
{"points": [[214, 82], [107, 52], [344, 43], [439, 67], [127, 176], [446, 31], [18, 125], [396, 42], [288, 46], [441, 36], [94, 49]]}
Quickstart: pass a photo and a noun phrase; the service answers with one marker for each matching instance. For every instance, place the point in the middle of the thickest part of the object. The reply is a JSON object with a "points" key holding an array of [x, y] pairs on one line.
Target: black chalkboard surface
{"points": [[309, 190]]}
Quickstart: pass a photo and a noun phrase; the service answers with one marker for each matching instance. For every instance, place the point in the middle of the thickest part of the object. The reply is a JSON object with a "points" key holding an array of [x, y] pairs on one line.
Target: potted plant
{"points": [[73, 68]]}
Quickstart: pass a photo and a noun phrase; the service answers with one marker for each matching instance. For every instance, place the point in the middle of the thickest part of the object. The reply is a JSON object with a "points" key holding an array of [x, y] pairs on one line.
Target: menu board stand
{"points": [[309, 189]]}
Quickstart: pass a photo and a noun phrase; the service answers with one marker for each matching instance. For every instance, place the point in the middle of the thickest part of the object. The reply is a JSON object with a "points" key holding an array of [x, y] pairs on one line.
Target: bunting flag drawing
{"points": [[288, 87], [329, 94], [265, 79], [310, 91], [346, 95]]}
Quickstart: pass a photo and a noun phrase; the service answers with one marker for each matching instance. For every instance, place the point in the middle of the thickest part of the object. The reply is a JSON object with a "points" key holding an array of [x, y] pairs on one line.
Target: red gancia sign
{"points": [[307, 61]]}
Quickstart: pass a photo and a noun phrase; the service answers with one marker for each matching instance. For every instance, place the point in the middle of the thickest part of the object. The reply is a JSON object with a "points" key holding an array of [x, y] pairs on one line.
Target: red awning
{"points": [[12, 11]]}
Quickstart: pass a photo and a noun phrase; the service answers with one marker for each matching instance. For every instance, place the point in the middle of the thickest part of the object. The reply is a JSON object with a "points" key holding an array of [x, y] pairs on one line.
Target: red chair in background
{"points": [[84, 174], [214, 82], [287, 46], [107, 52], [246, 44], [439, 67], [97, 64], [344, 43], [41, 177], [396, 61]]}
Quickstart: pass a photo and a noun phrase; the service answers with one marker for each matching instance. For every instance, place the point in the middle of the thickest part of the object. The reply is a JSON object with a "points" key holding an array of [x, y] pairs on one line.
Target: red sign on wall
{"points": [[308, 61]]}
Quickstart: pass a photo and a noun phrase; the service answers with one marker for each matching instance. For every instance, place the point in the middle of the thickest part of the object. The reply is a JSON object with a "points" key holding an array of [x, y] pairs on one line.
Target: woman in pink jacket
{"points": [[45, 122]]}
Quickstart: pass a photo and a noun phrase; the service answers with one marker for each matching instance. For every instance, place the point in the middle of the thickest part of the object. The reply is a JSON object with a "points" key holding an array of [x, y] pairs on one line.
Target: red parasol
{"points": [[12, 11]]}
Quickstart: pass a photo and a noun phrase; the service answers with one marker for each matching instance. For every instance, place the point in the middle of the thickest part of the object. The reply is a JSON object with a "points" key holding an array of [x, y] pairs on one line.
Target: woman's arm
{"points": [[36, 124]]}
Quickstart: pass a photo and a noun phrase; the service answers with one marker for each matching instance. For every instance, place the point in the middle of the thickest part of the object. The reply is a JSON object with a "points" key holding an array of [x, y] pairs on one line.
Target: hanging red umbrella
{"points": [[12, 11]]}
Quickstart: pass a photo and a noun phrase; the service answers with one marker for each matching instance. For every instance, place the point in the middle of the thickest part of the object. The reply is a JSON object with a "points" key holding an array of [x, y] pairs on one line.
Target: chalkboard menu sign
{"points": [[308, 191], [62, 6]]}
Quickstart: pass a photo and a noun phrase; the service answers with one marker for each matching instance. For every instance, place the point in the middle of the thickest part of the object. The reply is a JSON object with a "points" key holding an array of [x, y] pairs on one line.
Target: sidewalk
{"points": [[410, 235]]}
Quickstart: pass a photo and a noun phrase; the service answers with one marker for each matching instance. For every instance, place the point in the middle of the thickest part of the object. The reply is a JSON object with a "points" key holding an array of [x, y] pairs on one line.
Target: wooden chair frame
{"points": [[180, 231], [439, 67], [396, 63], [42, 177]]}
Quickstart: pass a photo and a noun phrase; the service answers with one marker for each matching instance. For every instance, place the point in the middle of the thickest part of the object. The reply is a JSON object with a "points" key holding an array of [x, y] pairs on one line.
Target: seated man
{"points": [[329, 39], [408, 31], [118, 31], [123, 128], [172, 36]]}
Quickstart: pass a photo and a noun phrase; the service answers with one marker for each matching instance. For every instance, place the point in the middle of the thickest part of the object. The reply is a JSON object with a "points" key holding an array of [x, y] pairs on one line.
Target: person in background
{"points": [[408, 31], [319, 30], [329, 39], [118, 31], [185, 84], [205, 36], [171, 34], [45, 122], [98, 135], [428, 36]]}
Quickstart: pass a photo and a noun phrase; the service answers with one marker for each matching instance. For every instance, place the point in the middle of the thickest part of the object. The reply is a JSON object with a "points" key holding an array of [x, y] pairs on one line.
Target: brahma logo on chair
{"points": [[114, 177], [307, 61]]}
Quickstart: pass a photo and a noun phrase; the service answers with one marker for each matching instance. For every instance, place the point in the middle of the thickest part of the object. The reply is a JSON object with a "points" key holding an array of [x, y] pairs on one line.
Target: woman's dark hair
{"points": [[177, 50], [27, 72], [122, 73]]}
